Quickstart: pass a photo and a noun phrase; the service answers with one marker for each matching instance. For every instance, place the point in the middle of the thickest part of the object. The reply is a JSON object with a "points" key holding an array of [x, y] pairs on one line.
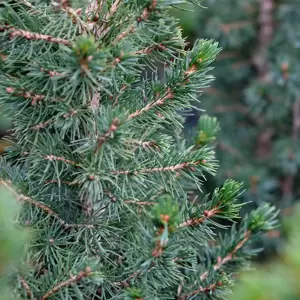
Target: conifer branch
{"points": [[42, 125], [26, 287], [51, 73], [46, 209], [125, 283], [73, 279], [59, 158], [110, 13], [144, 144], [207, 289], [120, 93], [141, 203], [229, 256], [143, 17], [61, 182], [158, 102], [27, 95], [41, 206], [112, 128], [26, 3], [206, 215], [181, 166], [15, 32], [217, 266]]}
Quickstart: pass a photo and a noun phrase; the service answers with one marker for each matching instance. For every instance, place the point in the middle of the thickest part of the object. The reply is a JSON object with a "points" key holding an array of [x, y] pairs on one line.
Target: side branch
{"points": [[144, 144], [185, 165], [14, 32], [73, 279], [28, 95], [112, 128], [217, 266], [196, 221], [26, 287], [158, 102], [58, 158], [207, 289], [143, 17], [229, 256], [46, 209]]}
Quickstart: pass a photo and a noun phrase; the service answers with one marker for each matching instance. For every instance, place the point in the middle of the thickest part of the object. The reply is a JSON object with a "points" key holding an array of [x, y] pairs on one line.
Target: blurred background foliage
{"points": [[255, 97], [12, 241]]}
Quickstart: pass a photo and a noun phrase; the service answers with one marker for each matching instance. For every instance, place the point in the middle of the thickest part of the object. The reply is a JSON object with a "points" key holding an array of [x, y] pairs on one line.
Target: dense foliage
{"points": [[98, 161]]}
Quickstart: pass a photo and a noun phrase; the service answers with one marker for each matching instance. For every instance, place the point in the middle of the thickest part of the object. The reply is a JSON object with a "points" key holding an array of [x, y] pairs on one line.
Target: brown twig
{"points": [[206, 215], [228, 257], [73, 279], [46, 209], [27, 95], [59, 158], [26, 287], [207, 289], [143, 17], [51, 73], [15, 32], [144, 144], [123, 88], [112, 128], [141, 203], [158, 102], [42, 125], [181, 166], [125, 283]]}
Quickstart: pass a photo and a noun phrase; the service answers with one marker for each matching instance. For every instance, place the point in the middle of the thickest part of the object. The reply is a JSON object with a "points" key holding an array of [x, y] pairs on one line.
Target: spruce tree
{"points": [[98, 161]]}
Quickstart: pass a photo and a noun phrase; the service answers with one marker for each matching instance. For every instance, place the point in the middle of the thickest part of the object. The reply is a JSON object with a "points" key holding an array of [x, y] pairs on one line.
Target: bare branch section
{"points": [[27, 95], [58, 158], [196, 221], [26, 287], [46, 209], [207, 289], [144, 144], [73, 279], [143, 17], [185, 165], [112, 128], [14, 32], [158, 102]]}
